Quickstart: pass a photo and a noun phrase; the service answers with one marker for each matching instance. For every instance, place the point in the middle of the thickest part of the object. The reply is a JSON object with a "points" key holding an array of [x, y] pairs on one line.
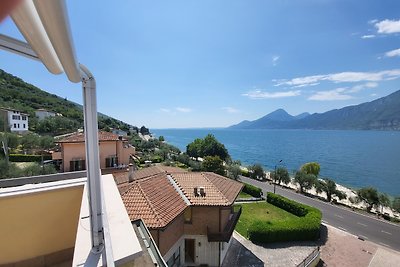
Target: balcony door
{"points": [[189, 251]]}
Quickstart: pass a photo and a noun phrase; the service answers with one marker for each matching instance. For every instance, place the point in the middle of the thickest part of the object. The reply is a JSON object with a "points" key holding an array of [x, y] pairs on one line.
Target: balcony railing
{"points": [[226, 234]]}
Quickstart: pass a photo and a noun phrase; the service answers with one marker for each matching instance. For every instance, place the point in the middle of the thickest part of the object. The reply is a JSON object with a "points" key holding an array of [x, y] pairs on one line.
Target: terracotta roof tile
{"points": [[80, 137], [154, 200], [215, 193]]}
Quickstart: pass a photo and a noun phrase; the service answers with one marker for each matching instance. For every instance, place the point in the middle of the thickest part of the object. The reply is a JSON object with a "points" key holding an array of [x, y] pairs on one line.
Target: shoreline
{"points": [[350, 193]]}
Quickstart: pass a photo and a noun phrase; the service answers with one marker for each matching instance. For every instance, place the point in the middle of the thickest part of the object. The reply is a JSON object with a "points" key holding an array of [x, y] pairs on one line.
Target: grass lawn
{"points": [[260, 211], [244, 195]]}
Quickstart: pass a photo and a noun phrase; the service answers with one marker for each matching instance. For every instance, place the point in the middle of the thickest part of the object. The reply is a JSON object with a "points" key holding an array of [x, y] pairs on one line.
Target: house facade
{"points": [[43, 114], [115, 151], [15, 120], [190, 214]]}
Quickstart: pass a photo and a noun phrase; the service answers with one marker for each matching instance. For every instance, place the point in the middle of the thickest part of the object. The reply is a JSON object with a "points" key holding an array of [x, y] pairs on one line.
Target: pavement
{"points": [[366, 227], [338, 249]]}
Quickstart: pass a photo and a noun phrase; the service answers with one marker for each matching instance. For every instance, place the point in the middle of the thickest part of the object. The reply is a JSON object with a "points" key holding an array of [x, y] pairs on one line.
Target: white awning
{"points": [[45, 26]]}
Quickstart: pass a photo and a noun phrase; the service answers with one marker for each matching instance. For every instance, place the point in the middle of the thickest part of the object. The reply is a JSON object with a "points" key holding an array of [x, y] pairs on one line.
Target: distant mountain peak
{"points": [[380, 114]]}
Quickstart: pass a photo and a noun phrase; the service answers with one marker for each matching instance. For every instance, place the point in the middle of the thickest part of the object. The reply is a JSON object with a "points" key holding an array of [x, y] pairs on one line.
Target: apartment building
{"points": [[15, 120], [190, 214], [114, 151]]}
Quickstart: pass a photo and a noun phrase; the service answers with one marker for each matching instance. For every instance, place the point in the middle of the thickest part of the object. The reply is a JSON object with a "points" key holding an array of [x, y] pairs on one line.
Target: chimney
{"points": [[131, 170]]}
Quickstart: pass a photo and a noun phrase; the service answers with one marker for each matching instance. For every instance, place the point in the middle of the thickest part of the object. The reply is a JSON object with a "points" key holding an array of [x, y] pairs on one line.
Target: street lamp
{"points": [[275, 174]]}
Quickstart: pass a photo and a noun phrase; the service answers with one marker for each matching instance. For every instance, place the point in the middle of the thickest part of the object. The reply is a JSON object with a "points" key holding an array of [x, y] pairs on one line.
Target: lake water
{"points": [[351, 158]]}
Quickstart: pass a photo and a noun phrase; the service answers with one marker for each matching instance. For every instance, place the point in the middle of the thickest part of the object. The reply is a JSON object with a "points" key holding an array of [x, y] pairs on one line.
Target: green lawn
{"points": [[260, 211], [244, 195]]}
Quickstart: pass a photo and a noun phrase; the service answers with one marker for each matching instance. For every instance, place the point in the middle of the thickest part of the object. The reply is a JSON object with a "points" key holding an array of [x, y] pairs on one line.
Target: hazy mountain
{"points": [[380, 114]]}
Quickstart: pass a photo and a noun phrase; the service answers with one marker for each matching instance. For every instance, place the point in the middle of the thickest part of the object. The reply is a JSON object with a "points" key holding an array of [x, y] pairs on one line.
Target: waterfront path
{"points": [[366, 227]]}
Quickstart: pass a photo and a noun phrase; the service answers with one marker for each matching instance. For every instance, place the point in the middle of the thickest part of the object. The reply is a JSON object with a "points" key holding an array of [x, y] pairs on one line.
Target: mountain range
{"points": [[380, 114]]}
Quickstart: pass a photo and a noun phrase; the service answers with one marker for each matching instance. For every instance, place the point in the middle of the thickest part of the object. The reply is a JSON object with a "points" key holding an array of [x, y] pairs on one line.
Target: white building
{"points": [[17, 121], [42, 114]]}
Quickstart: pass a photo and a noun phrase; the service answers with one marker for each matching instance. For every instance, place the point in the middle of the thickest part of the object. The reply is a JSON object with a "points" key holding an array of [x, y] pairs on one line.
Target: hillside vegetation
{"points": [[17, 94]]}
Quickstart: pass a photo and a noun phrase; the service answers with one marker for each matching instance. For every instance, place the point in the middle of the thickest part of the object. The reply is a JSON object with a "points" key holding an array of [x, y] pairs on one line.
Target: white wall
{"points": [[17, 123]]}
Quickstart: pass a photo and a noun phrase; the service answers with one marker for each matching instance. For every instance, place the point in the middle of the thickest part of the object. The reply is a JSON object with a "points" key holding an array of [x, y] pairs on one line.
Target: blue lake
{"points": [[351, 158]]}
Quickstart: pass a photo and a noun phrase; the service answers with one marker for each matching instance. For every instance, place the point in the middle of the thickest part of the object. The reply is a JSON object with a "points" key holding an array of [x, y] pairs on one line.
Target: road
{"points": [[369, 228]]}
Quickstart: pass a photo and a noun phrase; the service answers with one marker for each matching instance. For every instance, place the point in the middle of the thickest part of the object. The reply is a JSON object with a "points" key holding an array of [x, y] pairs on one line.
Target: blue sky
{"points": [[177, 64]]}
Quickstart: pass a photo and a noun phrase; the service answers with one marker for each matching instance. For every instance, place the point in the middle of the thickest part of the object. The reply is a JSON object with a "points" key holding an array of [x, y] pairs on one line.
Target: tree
{"points": [[396, 204], [369, 195], [281, 175], [384, 201], [329, 187], [194, 149], [144, 130], [161, 138], [257, 172], [311, 168], [234, 170], [213, 164], [209, 146], [30, 141], [305, 180], [46, 142]]}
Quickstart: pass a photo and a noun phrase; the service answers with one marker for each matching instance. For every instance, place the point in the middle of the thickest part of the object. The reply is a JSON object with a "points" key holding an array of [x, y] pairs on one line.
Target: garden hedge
{"points": [[305, 227], [28, 158], [252, 190]]}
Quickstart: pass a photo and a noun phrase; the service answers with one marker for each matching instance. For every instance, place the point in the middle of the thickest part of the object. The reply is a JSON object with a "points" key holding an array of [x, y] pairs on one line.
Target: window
{"points": [[188, 215], [24, 118], [15, 117], [77, 165], [111, 161], [15, 125], [18, 125], [24, 126]]}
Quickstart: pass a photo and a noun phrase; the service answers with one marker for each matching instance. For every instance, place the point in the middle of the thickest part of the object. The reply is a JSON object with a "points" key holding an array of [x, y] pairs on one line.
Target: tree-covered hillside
{"points": [[17, 94]]}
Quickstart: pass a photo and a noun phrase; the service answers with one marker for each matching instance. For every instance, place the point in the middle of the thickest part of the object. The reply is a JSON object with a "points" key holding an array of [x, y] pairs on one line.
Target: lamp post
{"points": [[275, 175]]}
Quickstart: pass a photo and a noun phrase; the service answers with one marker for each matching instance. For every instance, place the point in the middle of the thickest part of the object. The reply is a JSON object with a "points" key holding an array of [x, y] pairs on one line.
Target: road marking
{"points": [[383, 244], [386, 232], [343, 229], [339, 216], [362, 224]]}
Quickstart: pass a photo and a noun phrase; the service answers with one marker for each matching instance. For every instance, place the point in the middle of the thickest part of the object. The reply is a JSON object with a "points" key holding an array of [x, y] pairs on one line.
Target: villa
{"points": [[189, 214], [15, 120], [114, 151]]}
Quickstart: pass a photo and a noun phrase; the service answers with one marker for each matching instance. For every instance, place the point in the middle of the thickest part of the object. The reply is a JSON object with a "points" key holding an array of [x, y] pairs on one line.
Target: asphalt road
{"points": [[369, 228]]}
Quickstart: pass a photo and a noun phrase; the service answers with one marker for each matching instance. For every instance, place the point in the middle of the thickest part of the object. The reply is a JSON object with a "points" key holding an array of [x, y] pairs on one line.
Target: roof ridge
{"points": [[216, 187], [157, 215]]}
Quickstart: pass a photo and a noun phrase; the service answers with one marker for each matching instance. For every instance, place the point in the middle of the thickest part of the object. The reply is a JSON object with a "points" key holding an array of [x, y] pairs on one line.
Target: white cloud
{"points": [[165, 110], [373, 21], [258, 94], [388, 26], [342, 77], [331, 95], [368, 36], [359, 87], [230, 109], [374, 94], [393, 53], [185, 110], [275, 60]]}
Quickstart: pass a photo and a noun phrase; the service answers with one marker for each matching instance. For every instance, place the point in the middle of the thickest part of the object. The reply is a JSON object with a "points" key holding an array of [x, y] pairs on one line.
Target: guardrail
{"points": [[310, 258]]}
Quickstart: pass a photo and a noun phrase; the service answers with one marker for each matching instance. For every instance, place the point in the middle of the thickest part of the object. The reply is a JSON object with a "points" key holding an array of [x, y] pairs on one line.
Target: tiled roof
{"points": [[80, 137], [219, 190], [153, 200]]}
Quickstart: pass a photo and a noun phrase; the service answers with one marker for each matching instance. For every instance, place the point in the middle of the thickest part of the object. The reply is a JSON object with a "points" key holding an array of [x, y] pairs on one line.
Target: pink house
{"points": [[114, 151]]}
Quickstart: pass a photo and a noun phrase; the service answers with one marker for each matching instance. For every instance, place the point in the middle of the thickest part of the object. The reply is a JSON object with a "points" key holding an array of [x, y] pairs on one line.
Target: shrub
{"points": [[252, 190], [245, 173], [306, 227], [287, 204], [28, 158]]}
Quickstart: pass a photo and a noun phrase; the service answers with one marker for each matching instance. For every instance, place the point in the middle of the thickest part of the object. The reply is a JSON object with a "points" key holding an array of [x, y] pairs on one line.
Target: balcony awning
{"points": [[45, 26]]}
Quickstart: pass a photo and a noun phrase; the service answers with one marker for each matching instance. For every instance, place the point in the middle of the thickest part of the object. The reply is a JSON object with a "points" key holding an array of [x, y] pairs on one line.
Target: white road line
{"points": [[362, 224], [343, 229], [386, 232], [383, 244], [339, 216]]}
